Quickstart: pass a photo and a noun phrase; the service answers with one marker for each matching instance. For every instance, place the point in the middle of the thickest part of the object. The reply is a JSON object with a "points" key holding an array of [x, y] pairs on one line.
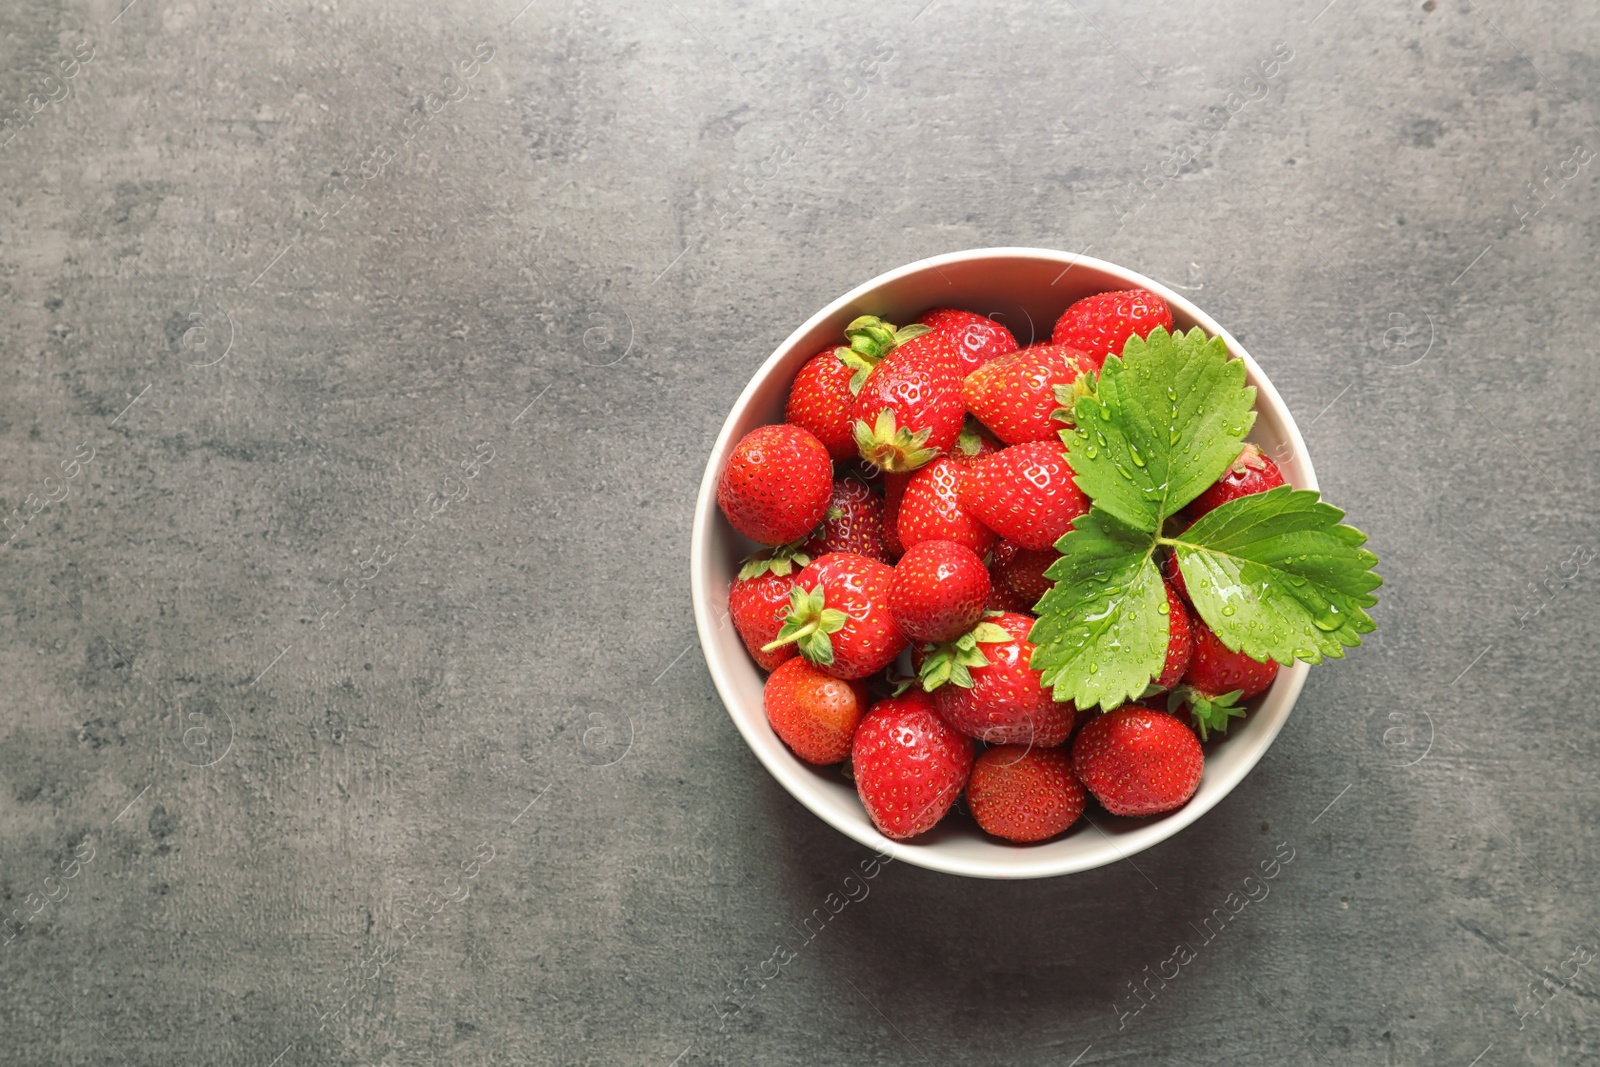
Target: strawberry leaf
{"points": [[1274, 574], [1101, 635], [1277, 577], [1167, 419]]}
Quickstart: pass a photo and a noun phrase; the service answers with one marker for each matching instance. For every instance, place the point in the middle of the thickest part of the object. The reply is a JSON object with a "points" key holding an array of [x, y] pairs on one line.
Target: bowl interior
{"points": [[1026, 289]]}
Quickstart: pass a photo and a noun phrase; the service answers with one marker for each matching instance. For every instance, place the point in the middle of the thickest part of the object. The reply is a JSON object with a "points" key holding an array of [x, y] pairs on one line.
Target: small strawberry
{"points": [[1101, 324], [1016, 395], [1217, 679], [758, 600], [1250, 473], [776, 485], [1024, 794], [822, 397], [839, 616], [1020, 572], [909, 409], [977, 338], [938, 591], [1180, 641], [1137, 761], [909, 765], [854, 522], [815, 714], [1004, 701], [931, 508], [1025, 493]]}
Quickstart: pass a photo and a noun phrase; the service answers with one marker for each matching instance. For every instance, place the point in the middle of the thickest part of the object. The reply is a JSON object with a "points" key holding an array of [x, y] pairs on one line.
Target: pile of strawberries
{"points": [[912, 499]]}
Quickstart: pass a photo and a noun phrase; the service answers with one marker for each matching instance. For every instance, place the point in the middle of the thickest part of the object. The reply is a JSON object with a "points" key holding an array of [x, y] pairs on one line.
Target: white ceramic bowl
{"points": [[1026, 289]]}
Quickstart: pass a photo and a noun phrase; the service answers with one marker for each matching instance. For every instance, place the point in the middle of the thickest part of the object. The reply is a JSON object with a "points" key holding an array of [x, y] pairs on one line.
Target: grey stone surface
{"points": [[291, 272]]}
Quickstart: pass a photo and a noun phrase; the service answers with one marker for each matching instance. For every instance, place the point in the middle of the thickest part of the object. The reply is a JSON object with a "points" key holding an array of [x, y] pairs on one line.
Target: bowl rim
{"points": [[793, 776]]}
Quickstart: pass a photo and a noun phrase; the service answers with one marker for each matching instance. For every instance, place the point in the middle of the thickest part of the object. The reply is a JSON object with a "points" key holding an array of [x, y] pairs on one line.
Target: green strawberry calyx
{"points": [[870, 340], [781, 561], [950, 662], [808, 625], [891, 447], [896, 682], [1085, 384], [1209, 712], [970, 442]]}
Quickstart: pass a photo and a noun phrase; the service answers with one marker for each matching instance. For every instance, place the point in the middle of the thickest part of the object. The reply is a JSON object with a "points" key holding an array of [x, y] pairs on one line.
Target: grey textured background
{"points": [[491, 811]]}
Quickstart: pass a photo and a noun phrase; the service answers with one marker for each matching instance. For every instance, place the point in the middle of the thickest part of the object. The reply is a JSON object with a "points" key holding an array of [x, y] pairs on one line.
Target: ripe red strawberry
{"points": [[1137, 761], [854, 522], [815, 714], [1025, 493], [977, 338], [1002, 600], [894, 491], [776, 485], [1024, 794], [820, 401], [1251, 473], [1216, 669], [839, 616], [1174, 576], [1100, 325], [1180, 641], [931, 508], [1015, 394], [909, 765], [1217, 679], [1020, 572], [1005, 702], [822, 397], [938, 591], [909, 409], [758, 601]]}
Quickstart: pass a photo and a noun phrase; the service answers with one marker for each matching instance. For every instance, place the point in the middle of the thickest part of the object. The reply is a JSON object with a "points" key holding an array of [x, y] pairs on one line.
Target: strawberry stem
{"points": [[1209, 712]]}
